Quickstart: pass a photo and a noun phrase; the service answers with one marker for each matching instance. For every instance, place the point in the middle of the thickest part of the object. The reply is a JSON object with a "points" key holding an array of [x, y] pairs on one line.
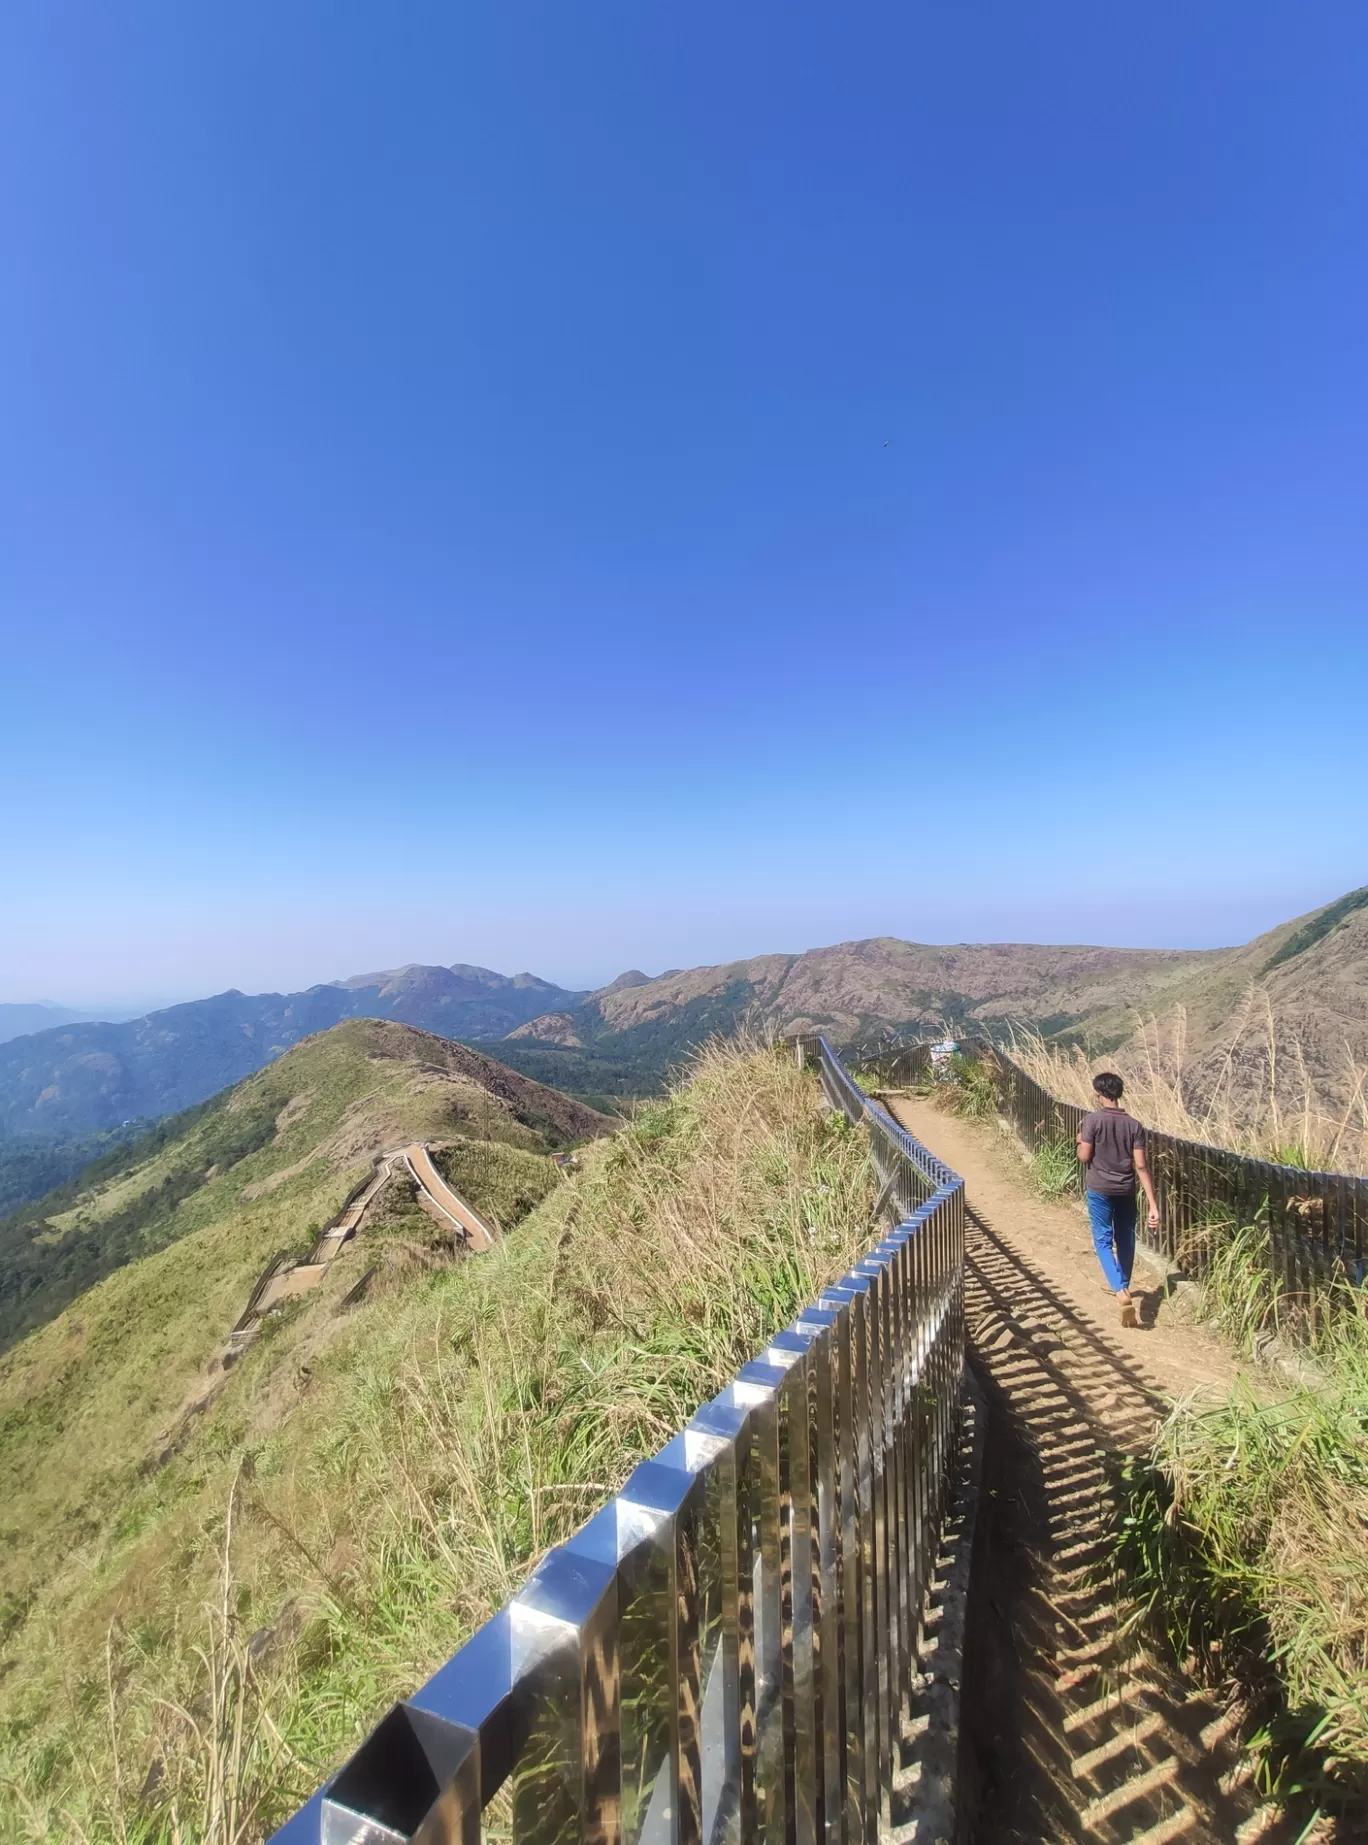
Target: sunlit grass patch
{"points": [[1054, 1168], [396, 1470], [1257, 1097], [1245, 1532]]}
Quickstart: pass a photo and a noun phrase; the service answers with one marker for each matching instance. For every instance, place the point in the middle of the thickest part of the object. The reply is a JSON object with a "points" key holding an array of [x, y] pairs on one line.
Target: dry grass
{"points": [[172, 1771], [1273, 1499], [449, 1433], [1257, 1097], [220, 1755], [1246, 1533]]}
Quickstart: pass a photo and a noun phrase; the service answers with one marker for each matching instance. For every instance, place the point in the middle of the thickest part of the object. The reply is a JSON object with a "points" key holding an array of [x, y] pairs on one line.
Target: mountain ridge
{"points": [[21, 1019], [883, 980], [1303, 983], [337, 1098], [65, 1092], [127, 1417]]}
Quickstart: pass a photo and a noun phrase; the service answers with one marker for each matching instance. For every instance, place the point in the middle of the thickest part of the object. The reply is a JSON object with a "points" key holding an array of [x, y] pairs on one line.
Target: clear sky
{"points": [[573, 487]]}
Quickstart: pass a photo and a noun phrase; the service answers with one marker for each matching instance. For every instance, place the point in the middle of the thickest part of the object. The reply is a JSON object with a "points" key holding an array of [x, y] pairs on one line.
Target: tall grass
{"points": [[963, 1085], [1257, 1096], [969, 1088], [1053, 1168], [220, 1754], [451, 1430], [1245, 1532]]}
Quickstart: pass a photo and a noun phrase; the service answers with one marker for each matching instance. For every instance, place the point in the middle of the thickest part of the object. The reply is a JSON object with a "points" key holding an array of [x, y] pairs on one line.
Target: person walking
{"points": [[1111, 1144]]}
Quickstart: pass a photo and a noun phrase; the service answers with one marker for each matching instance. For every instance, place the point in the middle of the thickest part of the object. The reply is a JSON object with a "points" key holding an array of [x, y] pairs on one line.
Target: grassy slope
{"points": [[67, 1091], [1309, 976], [854, 987], [330, 1103], [85, 1398], [1247, 1528], [399, 1467], [1314, 970]]}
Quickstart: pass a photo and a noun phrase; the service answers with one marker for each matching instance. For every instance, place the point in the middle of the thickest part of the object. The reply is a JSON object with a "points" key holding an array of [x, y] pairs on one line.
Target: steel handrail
{"points": [[723, 1653]]}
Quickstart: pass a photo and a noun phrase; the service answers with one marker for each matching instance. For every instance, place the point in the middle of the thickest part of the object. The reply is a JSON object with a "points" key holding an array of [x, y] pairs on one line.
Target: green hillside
{"points": [[80, 1091], [90, 1398], [70, 1089], [389, 1469], [265, 1159]]}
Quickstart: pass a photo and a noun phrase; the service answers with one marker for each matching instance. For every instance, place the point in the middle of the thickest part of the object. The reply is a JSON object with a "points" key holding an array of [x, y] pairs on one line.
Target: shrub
{"points": [[1054, 1168], [968, 1088]]}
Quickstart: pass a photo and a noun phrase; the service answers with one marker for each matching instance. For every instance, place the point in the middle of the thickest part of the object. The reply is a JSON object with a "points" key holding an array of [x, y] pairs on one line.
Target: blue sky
{"points": [[623, 485]]}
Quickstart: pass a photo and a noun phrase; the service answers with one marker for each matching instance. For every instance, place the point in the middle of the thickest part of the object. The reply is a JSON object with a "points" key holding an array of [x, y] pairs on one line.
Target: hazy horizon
{"points": [[547, 966]]}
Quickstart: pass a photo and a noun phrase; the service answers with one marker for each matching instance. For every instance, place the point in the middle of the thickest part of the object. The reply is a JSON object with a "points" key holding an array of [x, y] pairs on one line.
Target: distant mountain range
{"points": [[1310, 975], [64, 1091], [857, 987], [17, 1021]]}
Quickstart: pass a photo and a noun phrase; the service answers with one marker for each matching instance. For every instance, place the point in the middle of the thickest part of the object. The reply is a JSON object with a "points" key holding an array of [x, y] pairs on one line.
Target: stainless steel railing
{"points": [[722, 1654]]}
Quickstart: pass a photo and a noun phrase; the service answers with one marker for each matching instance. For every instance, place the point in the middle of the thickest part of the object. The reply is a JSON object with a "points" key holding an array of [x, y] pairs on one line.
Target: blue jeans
{"points": [[1113, 1228]]}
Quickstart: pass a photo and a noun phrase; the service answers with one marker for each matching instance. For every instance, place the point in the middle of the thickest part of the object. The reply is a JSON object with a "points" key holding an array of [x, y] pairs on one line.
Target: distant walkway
{"points": [[284, 1277], [477, 1230], [1078, 1732]]}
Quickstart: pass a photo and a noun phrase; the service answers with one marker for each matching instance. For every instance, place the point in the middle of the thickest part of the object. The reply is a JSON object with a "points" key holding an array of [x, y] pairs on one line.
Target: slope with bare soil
{"points": [[325, 1108], [853, 986], [127, 1293]]}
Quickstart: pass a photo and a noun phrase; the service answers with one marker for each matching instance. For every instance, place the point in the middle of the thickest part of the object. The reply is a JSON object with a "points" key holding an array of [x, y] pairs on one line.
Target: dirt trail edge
{"points": [[1072, 1730], [477, 1230]]}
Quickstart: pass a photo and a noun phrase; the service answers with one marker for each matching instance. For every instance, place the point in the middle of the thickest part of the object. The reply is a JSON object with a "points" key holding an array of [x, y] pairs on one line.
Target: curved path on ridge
{"points": [[283, 1282], [477, 1231], [1076, 1730]]}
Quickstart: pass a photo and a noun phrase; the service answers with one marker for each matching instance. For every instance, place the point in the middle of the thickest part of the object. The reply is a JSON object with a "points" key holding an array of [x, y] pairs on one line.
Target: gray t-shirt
{"points": [[1114, 1135]]}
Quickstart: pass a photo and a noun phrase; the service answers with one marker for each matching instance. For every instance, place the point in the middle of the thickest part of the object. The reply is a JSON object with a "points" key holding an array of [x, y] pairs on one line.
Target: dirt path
{"points": [[1074, 1731], [284, 1279], [1177, 1357]]}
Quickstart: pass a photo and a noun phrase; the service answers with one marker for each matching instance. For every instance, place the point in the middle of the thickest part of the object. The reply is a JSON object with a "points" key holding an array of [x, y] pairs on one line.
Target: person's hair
{"points": [[1110, 1085]]}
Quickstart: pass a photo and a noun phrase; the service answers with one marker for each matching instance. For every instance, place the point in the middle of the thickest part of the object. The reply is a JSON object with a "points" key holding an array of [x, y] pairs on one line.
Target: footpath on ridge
{"points": [[1072, 1729], [477, 1231], [286, 1277]]}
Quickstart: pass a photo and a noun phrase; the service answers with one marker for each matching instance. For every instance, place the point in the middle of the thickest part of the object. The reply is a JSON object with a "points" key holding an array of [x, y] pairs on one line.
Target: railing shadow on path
{"points": [[1080, 1730]]}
